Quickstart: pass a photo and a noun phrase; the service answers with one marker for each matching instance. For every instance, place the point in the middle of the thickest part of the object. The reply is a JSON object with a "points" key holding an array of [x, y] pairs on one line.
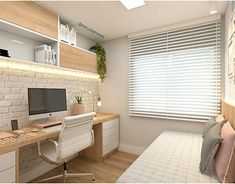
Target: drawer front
{"points": [[110, 131], [108, 148], [110, 139], [110, 136], [8, 175], [111, 123], [7, 160], [78, 59]]}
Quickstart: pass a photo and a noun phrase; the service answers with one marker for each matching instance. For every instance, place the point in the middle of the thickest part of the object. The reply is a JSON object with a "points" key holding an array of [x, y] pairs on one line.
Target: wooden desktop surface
{"points": [[33, 137]]}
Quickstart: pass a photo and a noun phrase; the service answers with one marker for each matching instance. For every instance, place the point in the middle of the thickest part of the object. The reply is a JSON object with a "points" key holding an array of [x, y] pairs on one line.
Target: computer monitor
{"points": [[45, 103]]}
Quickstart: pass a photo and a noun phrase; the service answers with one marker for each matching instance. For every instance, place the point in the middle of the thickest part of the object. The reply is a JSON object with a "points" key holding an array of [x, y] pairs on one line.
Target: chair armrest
{"points": [[55, 144]]}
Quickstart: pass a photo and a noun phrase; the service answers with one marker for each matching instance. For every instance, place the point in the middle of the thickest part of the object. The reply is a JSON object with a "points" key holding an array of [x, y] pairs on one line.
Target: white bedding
{"points": [[173, 157]]}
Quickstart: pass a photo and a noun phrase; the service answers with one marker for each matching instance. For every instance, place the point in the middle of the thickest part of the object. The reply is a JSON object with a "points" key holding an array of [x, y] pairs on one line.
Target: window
{"points": [[176, 74]]}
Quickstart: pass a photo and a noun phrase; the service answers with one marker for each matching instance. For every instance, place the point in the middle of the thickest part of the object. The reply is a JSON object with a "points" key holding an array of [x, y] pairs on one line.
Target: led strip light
{"points": [[6, 63]]}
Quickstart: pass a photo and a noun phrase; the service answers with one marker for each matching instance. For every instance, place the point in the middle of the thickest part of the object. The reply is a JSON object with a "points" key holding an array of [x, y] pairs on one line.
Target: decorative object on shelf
{"points": [[78, 99], [45, 54], [68, 36], [78, 108], [4, 53], [90, 30], [89, 92], [101, 60]]}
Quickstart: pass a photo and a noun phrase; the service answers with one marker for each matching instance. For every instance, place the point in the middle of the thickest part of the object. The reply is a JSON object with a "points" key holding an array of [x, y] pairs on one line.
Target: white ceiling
{"points": [[111, 19]]}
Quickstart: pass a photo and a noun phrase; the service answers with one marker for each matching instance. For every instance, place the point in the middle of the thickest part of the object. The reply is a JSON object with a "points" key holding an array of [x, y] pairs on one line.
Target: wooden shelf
{"points": [[76, 58], [24, 32], [41, 27], [43, 68], [30, 16]]}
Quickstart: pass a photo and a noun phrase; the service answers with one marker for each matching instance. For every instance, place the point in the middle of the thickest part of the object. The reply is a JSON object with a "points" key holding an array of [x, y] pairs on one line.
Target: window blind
{"points": [[176, 74]]}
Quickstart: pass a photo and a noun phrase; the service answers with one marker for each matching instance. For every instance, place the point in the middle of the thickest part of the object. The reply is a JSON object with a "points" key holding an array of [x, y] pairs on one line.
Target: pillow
{"points": [[225, 157], [209, 148], [209, 124], [220, 119]]}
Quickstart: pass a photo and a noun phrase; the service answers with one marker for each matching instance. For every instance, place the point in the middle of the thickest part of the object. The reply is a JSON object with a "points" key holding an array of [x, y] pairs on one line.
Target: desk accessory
{"points": [[35, 129], [4, 53], [78, 108], [14, 125]]}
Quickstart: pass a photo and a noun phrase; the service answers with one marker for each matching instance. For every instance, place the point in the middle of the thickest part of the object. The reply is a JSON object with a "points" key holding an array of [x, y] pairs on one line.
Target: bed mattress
{"points": [[173, 157]]}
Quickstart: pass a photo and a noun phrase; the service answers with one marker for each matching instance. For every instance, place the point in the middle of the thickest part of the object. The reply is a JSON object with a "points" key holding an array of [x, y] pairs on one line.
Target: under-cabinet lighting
{"points": [[213, 12], [18, 42], [130, 4], [15, 65]]}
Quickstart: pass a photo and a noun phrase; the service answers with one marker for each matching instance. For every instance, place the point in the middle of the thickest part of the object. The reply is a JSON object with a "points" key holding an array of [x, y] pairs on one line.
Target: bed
{"points": [[173, 157]]}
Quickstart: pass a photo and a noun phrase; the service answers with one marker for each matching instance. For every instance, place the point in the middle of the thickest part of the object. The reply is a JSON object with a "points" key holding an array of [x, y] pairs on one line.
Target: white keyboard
{"points": [[52, 129]]}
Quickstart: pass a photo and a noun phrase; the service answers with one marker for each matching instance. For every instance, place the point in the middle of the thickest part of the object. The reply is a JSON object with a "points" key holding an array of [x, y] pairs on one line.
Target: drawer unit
{"points": [[110, 136], [7, 160], [7, 167], [8, 175]]}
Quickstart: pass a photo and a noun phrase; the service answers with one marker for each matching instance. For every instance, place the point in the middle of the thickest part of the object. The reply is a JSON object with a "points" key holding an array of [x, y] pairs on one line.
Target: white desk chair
{"points": [[76, 134]]}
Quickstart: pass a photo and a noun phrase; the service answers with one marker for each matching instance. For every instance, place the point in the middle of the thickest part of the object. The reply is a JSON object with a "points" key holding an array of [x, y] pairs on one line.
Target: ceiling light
{"points": [[130, 4], [213, 12], [213, 7]]}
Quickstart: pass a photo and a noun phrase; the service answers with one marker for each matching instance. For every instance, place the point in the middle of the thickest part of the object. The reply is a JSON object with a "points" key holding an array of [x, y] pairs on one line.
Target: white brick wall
{"points": [[14, 105]]}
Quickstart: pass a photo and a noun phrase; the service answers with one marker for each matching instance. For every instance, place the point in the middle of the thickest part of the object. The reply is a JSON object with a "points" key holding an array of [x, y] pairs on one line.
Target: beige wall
{"points": [[135, 133], [229, 83], [84, 42]]}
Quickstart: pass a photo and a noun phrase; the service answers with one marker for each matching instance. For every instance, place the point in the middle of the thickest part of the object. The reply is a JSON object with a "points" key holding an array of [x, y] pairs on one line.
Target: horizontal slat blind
{"points": [[176, 74]]}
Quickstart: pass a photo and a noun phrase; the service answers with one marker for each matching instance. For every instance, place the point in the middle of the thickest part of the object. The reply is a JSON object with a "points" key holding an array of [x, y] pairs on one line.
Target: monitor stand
{"points": [[49, 123]]}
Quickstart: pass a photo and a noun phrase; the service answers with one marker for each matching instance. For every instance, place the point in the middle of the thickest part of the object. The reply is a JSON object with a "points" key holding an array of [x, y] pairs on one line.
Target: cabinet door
{"points": [[8, 175], [7, 167], [31, 16], [7, 160], [110, 136], [78, 59]]}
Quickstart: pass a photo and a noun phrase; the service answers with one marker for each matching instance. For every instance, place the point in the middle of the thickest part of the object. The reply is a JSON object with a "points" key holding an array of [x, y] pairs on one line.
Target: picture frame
{"points": [[231, 59], [231, 26], [231, 47]]}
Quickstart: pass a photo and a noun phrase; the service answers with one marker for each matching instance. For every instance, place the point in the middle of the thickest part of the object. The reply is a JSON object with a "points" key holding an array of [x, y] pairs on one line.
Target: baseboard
{"points": [[131, 149]]}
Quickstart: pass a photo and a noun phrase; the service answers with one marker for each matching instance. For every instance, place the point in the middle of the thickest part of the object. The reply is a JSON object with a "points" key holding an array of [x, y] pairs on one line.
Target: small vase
{"points": [[78, 109]]}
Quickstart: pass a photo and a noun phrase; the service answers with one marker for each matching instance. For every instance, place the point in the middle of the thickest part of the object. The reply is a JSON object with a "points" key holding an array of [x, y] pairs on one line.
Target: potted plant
{"points": [[78, 107], [101, 60]]}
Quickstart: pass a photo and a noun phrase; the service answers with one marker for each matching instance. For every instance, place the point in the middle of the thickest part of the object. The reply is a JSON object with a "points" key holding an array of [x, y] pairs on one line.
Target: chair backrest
{"points": [[75, 134]]}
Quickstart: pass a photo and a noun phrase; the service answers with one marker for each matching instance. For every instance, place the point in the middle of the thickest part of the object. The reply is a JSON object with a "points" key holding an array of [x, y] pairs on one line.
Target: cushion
{"points": [[220, 119], [209, 148], [225, 157], [209, 124]]}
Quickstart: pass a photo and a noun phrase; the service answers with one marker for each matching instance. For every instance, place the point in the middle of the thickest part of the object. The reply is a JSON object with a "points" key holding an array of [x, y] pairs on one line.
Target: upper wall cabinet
{"points": [[31, 16], [76, 58]]}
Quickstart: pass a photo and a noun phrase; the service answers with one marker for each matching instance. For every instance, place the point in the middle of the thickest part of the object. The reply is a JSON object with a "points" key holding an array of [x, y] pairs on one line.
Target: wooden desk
{"points": [[95, 152]]}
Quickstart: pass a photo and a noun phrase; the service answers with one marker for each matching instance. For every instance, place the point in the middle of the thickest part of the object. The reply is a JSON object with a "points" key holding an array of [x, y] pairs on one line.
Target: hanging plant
{"points": [[101, 60]]}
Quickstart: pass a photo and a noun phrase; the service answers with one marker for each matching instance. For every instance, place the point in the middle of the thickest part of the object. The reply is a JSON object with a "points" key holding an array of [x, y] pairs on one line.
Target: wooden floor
{"points": [[107, 171]]}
